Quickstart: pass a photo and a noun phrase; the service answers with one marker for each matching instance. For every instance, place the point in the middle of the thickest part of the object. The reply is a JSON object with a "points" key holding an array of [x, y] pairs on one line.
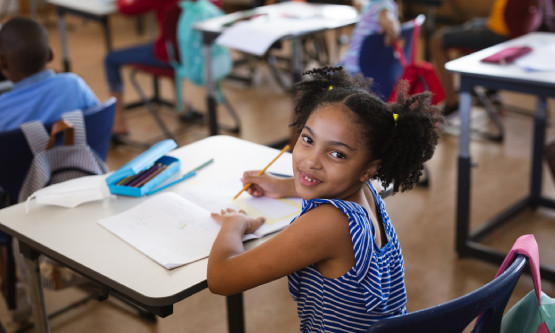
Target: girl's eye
{"points": [[307, 139], [338, 154]]}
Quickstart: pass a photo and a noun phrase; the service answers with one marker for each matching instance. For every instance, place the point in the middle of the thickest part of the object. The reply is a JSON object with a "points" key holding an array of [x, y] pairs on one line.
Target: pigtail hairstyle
{"points": [[403, 143], [412, 141]]}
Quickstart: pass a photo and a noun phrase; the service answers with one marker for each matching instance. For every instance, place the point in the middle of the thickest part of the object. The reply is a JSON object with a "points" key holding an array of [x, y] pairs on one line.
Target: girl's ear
{"points": [[370, 170]]}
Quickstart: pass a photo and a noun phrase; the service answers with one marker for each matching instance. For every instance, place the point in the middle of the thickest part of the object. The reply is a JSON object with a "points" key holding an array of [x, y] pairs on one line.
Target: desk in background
{"points": [[473, 73], [212, 28], [74, 238], [96, 10]]}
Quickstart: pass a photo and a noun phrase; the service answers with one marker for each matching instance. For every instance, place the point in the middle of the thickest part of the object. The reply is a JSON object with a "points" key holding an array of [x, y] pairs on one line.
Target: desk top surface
{"points": [[321, 16], [471, 64], [96, 7], [74, 237]]}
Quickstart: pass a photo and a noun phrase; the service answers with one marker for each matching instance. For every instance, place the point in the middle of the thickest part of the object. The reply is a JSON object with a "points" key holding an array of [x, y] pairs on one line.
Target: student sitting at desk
{"points": [[38, 93], [152, 53], [341, 254], [377, 15]]}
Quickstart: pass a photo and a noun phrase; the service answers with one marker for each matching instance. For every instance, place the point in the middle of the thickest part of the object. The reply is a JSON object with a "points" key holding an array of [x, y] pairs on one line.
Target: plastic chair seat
{"points": [[487, 302]]}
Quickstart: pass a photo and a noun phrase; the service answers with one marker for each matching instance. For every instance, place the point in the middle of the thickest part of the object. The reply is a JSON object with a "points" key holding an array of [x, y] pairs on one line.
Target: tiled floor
{"points": [[424, 217]]}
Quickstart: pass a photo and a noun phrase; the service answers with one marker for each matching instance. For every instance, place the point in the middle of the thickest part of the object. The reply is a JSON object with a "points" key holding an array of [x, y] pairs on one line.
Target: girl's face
{"points": [[330, 160]]}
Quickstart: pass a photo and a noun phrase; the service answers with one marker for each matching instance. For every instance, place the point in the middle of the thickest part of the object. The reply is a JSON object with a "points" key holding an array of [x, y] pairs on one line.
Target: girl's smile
{"points": [[307, 179]]}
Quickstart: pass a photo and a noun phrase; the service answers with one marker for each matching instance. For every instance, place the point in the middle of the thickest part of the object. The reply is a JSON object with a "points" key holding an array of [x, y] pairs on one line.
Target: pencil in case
{"points": [[146, 171]]}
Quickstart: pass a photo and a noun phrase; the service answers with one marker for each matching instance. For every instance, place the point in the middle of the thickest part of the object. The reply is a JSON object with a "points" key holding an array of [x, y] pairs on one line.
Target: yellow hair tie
{"points": [[330, 88], [395, 117]]}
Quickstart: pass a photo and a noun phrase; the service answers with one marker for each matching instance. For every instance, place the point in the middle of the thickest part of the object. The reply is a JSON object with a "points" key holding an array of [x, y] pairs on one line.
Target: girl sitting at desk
{"points": [[341, 254]]}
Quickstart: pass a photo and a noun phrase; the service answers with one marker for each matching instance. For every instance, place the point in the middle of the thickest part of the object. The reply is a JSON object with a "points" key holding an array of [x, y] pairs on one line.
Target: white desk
{"points": [[74, 238], [212, 28], [473, 72], [97, 10]]}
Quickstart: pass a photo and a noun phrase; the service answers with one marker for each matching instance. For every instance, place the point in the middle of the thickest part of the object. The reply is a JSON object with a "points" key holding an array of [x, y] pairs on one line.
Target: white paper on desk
{"points": [[254, 37], [217, 196], [290, 18], [540, 59], [167, 228]]}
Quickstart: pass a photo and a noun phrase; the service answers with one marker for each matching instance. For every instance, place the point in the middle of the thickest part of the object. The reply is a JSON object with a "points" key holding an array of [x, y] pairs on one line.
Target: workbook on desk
{"points": [[176, 229]]}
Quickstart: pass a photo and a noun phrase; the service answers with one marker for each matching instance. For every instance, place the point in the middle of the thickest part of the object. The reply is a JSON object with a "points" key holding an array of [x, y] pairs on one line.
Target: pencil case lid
{"points": [[143, 161]]}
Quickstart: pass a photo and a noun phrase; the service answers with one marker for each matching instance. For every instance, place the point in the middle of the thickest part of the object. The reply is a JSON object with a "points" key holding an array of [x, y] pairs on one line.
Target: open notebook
{"points": [[174, 229]]}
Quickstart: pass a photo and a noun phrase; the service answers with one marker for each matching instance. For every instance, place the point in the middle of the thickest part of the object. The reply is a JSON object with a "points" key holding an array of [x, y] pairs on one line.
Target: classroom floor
{"points": [[424, 217]]}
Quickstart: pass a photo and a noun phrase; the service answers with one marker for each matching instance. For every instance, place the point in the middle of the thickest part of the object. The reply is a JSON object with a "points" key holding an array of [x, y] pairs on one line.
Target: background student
{"points": [[376, 16], [38, 93], [152, 53], [341, 254], [476, 34]]}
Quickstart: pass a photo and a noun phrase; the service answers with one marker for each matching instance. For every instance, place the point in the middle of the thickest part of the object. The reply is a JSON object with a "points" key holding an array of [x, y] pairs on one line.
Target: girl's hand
{"points": [[239, 221], [268, 185]]}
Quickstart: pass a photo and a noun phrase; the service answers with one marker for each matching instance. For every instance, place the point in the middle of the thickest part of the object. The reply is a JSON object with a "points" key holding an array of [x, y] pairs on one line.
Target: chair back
{"points": [[488, 302], [380, 63], [17, 156]]}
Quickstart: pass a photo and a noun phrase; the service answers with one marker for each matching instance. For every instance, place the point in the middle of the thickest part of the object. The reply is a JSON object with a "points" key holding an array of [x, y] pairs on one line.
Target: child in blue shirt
{"points": [[341, 254], [38, 93]]}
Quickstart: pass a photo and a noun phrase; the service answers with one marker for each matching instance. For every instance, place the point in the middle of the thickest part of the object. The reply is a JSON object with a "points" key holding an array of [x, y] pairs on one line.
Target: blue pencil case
{"points": [[146, 171]]}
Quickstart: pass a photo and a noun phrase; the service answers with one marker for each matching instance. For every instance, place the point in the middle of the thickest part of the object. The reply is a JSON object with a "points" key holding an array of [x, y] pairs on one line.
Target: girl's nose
{"points": [[312, 160]]}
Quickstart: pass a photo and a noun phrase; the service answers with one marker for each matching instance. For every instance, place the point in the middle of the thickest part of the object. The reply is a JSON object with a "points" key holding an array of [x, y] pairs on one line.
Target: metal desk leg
{"points": [[537, 151], [107, 34], [35, 288], [235, 316], [463, 180], [33, 9], [210, 86], [63, 39]]}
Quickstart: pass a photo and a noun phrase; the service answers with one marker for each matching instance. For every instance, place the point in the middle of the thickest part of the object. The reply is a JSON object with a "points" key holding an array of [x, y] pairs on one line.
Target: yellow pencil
{"points": [[263, 170]]}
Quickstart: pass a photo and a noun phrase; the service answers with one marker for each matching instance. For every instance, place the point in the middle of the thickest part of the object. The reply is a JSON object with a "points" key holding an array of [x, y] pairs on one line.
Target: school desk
{"points": [[74, 238], [212, 28], [510, 77], [96, 10]]}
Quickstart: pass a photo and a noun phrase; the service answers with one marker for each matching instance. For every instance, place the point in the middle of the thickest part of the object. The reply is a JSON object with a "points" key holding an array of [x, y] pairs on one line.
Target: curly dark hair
{"points": [[25, 43], [402, 146]]}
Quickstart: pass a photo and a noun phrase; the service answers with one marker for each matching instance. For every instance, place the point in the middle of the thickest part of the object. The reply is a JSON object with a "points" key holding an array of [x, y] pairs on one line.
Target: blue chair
{"points": [[98, 124], [380, 63], [14, 147], [488, 302]]}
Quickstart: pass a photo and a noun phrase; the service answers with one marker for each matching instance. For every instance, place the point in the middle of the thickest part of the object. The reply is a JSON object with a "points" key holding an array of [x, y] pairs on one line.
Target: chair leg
{"points": [[11, 278], [149, 106], [233, 114], [424, 180], [492, 114]]}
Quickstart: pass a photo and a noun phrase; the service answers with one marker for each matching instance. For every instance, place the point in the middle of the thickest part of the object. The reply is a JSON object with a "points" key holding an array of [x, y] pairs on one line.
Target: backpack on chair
{"points": [[54, 164], [421, 76], [191, 47]]}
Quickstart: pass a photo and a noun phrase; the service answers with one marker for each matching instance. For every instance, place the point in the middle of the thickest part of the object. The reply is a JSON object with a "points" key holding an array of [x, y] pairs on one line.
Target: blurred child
{"points": [[38, 93]]}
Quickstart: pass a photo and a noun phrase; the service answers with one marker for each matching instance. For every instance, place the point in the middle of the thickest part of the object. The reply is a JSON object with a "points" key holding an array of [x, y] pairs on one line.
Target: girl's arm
{"points": [[320, 236], [269, 185]]}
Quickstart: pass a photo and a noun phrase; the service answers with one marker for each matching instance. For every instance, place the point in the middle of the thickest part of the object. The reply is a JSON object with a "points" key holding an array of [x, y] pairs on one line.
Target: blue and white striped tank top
{"points": [[374, 287]]}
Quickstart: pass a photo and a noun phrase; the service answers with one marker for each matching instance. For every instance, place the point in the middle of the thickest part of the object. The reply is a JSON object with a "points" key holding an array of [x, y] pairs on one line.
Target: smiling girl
{"points": [[341, 254]]}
